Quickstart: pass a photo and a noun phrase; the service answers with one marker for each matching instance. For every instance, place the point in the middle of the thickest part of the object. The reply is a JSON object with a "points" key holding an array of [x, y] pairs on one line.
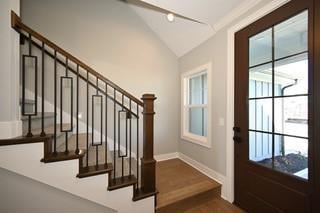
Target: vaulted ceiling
{"points": [[196, 20]]}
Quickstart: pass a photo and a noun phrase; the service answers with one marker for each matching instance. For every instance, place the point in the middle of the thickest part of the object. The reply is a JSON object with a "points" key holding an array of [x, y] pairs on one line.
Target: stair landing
{"points": [[183, 188]]}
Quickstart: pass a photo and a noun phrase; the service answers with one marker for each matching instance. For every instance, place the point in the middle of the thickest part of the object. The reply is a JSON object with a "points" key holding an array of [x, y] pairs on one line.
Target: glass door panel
{"points": [[278, 97]]}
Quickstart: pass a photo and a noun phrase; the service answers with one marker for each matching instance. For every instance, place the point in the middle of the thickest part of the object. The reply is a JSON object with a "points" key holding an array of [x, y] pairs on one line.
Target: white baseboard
{"points": [[206, 171], [167, 156], [10, 129]]}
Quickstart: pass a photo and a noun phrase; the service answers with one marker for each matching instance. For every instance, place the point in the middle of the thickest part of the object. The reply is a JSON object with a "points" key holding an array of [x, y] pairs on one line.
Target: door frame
{"points": [[275, 4]]}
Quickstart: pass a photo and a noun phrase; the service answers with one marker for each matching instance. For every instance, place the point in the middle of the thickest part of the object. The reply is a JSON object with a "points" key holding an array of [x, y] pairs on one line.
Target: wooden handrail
{"points": [[17, 24]]}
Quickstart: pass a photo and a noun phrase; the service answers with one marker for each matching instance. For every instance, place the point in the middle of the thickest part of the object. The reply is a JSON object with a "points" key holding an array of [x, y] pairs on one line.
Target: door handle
{"points": [[236, 129], [236, 136], [236, 139]]}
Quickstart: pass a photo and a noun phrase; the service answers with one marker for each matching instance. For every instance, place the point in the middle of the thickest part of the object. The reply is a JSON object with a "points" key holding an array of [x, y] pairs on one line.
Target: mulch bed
{"points": [[290, 163]]}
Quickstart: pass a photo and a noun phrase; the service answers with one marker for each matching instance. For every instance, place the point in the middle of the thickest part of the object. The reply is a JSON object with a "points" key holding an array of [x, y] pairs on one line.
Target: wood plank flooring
{"points": [[184, 189]]}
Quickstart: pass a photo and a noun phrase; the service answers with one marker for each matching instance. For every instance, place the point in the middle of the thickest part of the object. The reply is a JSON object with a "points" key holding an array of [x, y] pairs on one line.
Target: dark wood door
{"points": [[276, 126]]}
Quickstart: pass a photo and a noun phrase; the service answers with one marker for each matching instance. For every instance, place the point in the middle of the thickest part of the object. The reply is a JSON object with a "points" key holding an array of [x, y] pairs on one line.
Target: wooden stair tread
{"points": [[27, 101], [139, 194], [121, 182], [126, 164], [177, 181], [72, 142], [188, 191], [50, 129], [94, 170], [39, 116], [62, 156], [25, 140]]}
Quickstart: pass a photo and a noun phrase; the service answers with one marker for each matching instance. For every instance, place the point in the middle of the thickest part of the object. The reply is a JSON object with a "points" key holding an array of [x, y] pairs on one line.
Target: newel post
{"points": [[148, 163]]}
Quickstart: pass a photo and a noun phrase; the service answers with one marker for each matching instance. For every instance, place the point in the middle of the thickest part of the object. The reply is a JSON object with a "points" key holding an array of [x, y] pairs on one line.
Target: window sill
{"points": [[197, 140]]}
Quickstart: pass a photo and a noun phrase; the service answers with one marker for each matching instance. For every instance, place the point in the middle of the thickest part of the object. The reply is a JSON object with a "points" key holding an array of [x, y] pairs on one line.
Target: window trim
{"points": [[185, 134]]}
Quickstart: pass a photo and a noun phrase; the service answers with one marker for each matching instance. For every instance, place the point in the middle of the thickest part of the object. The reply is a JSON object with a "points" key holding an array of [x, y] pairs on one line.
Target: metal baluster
{"points": [[77, 134], [87, 159], [29, 116], [66, 145], [106, 130], [97, 147], [42, 98], [55, 103], [130, 137], [137, 146], [122, 157], [114, 134]]}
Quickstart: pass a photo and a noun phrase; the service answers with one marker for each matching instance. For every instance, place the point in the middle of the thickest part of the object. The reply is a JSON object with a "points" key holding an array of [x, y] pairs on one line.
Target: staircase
{"points": [[78, 114]]}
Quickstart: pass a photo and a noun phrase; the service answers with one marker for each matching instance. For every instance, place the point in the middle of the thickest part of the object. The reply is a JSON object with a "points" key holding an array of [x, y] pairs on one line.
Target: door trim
{"points": [[275, 4]]}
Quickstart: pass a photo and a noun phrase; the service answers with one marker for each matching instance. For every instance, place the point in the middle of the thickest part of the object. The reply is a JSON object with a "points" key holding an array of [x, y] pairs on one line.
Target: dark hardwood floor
{"points": [[184, 189]]}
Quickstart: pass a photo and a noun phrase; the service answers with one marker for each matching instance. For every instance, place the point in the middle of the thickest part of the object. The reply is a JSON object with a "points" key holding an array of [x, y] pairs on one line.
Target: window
{"points": [[195, 116]]}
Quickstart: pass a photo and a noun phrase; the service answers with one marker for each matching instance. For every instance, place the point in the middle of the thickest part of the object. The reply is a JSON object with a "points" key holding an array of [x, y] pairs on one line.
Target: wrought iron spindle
{"points": [[87, 157], [114, 133], [122, 157], [29, 117], [137, 146], [77, 113], [42, 93], [66, 136], [55, 103], [106, 129], [130, 136], [97, 147], [29, 134]]}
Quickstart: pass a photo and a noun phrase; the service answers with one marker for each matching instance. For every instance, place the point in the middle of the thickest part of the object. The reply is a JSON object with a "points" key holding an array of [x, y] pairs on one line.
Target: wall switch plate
{"points": [[221, 122]]}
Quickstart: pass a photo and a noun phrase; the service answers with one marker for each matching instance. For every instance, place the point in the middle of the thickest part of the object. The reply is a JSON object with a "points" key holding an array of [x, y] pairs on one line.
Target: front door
{"points": [[275, 107]]}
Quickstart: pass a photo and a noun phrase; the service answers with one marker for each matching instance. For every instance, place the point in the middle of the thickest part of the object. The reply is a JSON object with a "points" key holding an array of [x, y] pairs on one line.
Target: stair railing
{"points": [[126, 108]]}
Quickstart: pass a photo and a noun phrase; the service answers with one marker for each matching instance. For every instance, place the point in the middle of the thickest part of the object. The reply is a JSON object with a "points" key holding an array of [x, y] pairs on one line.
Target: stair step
{"points": [[121, 182], [72, 142], [95, 170], [36, 121], [62, 156], [27, 101], [126, 164], [140, 194], [39, 116], [180, 184], [91, 154], [50, 129], [25, 140]]}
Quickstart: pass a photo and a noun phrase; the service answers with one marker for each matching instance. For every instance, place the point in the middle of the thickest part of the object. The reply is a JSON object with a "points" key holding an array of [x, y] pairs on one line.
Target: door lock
{"points": [[236, 136]]}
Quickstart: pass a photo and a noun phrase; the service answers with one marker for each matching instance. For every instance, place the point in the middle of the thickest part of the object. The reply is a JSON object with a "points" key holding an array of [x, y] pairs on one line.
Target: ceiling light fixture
{"points": [[170, 17]]}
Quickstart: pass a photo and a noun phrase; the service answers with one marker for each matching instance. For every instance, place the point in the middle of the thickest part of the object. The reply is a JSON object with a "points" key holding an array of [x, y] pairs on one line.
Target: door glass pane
{"points": [[260, 115], [293, 158], [260, 84], [291, 36], [260, 50], [292, 75], [291, 116], [260, 146]]}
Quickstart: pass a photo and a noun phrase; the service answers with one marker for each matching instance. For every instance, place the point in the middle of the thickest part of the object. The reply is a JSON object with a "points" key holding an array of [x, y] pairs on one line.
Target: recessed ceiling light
{"points": [[170, 17]]}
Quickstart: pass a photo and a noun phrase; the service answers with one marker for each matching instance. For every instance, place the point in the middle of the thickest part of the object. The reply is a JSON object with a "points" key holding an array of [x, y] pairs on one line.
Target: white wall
{"points": [[9, 72], [41, 197], [62, 175], [213, 50], [111, 38]]}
